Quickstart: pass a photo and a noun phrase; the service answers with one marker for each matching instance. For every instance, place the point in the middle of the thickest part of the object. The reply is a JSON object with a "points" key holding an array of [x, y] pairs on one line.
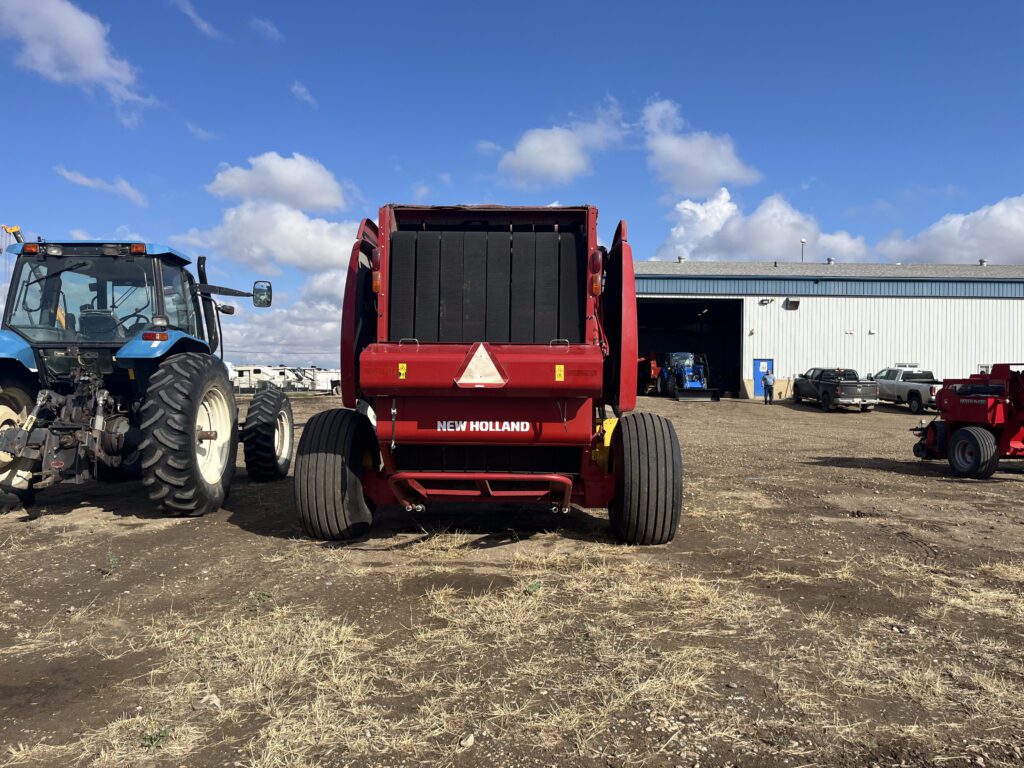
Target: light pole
{"points": [[803, 242]]}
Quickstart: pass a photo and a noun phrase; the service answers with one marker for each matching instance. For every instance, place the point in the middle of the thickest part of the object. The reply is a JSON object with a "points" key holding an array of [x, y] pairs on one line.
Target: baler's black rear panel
{"points": [[454, 286]]}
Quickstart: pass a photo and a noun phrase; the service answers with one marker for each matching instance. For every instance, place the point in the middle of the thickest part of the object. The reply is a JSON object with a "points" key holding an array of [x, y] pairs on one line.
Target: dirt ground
{"points": [[829, 600]]}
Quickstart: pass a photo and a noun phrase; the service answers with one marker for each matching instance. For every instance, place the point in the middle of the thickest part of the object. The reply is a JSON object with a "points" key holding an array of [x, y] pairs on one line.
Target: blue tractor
{"points": [[684, 375], [108, 371]]}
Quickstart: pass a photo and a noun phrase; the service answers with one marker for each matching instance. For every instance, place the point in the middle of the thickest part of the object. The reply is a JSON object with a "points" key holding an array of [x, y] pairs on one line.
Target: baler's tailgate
{"points": [[522, 370]]}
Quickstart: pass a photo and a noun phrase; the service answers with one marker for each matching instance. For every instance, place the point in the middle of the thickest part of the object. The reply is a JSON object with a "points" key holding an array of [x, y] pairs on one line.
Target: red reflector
{"points": [[154, 336], [137, 248], [31, 249], [595, 261], [375, 261]]}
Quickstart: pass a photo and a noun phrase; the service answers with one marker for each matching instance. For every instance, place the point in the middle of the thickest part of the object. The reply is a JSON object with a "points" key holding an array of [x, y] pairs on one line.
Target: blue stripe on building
{"points": [[649, 286]]}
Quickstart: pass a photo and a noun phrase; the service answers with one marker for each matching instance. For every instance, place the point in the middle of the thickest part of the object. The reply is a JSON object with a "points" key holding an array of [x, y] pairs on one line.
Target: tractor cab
{"points": [[77, 304], [97, 295]]}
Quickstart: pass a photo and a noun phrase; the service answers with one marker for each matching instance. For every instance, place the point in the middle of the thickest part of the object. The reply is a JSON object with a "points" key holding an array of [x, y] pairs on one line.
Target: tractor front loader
{"points": [[488, 354], [108, 371]]}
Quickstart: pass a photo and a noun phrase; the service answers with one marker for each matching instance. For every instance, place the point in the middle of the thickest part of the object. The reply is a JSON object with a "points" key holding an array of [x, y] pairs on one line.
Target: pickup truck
{"points": [[835, 388], [912, 386]]}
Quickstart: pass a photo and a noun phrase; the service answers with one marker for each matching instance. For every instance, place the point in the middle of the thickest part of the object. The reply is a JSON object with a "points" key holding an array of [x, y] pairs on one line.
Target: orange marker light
{"points": [[137, 248], [595, 285], [376, 282], [30, 249]]}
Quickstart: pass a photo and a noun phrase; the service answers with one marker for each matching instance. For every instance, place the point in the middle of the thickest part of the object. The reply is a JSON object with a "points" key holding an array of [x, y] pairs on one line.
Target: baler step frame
{"points": [[419, 482]]}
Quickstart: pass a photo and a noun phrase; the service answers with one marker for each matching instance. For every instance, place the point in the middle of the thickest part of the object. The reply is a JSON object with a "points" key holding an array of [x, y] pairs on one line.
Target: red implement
{"points": [[489, 354]]}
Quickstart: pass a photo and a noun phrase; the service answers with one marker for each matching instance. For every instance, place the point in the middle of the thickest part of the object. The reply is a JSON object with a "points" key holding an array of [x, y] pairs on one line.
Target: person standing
{"points": [[768, 383]]}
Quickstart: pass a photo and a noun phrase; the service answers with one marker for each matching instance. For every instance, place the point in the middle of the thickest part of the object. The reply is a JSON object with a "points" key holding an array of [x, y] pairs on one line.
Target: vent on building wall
{"points": [[791, 304]]}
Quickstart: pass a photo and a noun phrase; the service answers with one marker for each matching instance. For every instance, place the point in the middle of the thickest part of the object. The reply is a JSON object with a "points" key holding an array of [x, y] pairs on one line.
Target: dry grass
{"points": [[583, 655]]}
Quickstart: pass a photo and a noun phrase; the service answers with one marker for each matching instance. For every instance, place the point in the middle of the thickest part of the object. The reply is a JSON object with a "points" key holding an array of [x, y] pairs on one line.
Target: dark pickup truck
{"points": [[835, 388]]}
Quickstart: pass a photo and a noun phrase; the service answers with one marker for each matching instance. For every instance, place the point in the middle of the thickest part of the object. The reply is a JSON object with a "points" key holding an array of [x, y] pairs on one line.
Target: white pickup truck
{"points": [[912, 386]]}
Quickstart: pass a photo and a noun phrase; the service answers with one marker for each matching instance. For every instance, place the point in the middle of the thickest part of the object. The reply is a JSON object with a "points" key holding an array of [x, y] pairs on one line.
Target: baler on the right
{"points": [[982, 421], [488, 354]]}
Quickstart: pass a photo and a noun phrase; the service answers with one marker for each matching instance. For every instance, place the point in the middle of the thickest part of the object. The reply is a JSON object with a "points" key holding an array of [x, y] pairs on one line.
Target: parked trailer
{"points": [[982, 422], [488, 354]]}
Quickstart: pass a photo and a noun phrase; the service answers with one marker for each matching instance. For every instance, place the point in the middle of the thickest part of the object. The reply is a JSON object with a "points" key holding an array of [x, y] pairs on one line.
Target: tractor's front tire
{"points": [[189, 473], [268, 435], [648, 469], [337, 446]]}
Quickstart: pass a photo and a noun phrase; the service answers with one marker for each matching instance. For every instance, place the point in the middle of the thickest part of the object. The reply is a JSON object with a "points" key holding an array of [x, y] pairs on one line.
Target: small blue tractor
{"points": [[108, 371], [682, 375]]}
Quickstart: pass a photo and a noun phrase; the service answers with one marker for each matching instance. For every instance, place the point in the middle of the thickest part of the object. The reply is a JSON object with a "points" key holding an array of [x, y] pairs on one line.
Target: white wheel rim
{"points": [[9, 419], [964, 454], [283, 436], [213, 416]]}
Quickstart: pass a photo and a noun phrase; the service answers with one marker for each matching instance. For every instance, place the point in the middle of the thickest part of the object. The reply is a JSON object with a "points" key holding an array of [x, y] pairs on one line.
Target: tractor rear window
{"points": [[81, 298]]}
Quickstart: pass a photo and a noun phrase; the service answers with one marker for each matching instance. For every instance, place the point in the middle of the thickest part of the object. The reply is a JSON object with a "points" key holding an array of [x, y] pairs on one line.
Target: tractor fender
{"points": [[177, 341], [16, 349]]}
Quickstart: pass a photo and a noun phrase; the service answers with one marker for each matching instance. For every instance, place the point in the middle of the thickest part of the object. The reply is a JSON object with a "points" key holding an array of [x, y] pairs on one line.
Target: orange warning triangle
{"points": [[480, 370]]}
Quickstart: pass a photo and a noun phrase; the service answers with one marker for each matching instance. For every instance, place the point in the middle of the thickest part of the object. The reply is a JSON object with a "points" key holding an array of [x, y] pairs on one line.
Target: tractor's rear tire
{"points": [[268, 435], [15, 405], [337, 446], [973, 452], [648, 469], [187, 394], [672, 387]]}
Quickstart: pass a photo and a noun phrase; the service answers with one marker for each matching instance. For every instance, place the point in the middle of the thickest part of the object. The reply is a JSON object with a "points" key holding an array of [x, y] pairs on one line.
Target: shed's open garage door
{"points": [[712, 327]]}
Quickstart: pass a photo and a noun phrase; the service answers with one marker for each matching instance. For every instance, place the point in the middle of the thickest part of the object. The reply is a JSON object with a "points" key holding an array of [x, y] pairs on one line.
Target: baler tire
{"points": [[268, 436], [983, 458], [914, 403], [329, 466], [184, 389], [648, 469]]}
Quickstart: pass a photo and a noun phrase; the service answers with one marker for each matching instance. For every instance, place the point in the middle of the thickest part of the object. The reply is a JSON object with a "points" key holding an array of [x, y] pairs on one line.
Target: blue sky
{"points": [[259, 133]]}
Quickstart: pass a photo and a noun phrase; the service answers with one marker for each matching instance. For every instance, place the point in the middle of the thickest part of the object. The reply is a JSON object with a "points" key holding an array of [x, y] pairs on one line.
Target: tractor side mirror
{"points": [[262, 293]]}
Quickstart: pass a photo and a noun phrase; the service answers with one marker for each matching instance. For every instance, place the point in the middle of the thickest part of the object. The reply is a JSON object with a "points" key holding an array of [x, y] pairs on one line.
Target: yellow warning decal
{"points": [[559, 373], [403, 368]]}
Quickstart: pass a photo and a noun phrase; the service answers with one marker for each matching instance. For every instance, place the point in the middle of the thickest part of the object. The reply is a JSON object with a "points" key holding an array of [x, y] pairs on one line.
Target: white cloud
{"points": [[200, 133], [267, 28], [118, 186], [560, 154], [420, 192], [301, 92], [694, 163], [994, 232], [65, 44], [193, 15], [718, 229], [485, 147], [299, 181], [304, 333], [267, 235], [326, 288]]}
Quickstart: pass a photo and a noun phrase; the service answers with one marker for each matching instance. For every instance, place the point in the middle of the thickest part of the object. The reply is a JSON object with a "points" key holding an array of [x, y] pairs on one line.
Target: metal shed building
{"points": [[947, 318]]}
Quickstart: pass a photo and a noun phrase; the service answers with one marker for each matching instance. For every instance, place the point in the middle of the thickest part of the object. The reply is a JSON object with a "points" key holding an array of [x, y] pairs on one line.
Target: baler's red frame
{"points": [[554, 395], [993, 400]]}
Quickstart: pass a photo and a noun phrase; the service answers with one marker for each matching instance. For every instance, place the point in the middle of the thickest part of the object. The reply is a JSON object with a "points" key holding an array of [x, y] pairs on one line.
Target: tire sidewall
{"points": [[914, 404]]}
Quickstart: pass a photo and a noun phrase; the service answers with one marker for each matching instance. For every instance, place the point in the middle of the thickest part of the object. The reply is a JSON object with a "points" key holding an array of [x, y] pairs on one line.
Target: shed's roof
{"points": [[788, 269]]}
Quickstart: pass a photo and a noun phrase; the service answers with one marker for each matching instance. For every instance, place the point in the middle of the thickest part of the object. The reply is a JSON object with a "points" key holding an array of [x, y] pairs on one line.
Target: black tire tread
{"points": [[649, 480], [258, 435], [328, 475], [168, 466]]}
